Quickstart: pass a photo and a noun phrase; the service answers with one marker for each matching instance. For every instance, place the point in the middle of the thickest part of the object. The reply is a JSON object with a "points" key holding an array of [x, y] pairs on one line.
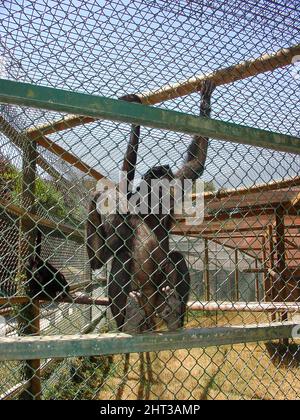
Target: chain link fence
{"points": [[225, 289]]}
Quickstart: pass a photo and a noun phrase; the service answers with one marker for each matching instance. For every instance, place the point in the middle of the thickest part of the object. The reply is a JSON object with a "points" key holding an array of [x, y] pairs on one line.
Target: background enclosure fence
{"points": [[63, 64]]}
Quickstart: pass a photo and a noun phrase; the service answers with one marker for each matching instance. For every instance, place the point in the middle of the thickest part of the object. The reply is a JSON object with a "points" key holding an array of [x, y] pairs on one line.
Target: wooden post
{"points": [[281, 261], [266, 277], [206, 270], [29, 315], [256, 282], [236, 276], [281, 265], [272, 248], [272, 267]]}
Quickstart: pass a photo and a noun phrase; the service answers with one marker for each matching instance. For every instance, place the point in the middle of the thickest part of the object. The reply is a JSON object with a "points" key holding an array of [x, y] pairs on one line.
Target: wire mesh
{"points": [[242, 260]]}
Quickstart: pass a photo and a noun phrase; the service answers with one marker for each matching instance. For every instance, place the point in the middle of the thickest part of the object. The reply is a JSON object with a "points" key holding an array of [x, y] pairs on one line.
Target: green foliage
{"points": [[209, 186], [48, 197], [78, 378], [8, 174]]}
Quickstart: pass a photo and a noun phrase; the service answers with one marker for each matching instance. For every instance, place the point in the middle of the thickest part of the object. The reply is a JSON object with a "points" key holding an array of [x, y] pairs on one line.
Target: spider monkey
{"points": [[43, 279], [144, 270]]}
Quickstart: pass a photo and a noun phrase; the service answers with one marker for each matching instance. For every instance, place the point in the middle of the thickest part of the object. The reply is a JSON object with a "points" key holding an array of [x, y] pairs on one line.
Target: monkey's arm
{"points": [[196, 155], [104, 238], [130, 158], [99, 251], [97, 248]]}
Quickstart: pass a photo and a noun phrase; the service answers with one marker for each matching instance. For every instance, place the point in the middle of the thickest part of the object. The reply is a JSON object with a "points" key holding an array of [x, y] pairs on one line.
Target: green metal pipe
{"points": [[59, 100], [45, 347]]}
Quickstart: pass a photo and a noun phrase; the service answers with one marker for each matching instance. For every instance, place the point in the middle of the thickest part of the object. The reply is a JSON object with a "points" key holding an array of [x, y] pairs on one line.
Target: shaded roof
{"points": [[246, 220]]}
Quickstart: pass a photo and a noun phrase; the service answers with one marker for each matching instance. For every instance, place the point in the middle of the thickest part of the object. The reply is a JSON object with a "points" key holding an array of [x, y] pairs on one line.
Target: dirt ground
{"points": [[245, 371]]}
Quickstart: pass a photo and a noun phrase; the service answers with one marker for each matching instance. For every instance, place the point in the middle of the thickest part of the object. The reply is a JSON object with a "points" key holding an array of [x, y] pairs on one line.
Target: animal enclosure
{"points": [[64, 132]]}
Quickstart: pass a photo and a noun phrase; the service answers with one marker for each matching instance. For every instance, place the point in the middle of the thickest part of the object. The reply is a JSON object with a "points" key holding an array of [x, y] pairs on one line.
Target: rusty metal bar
{"points": [[245, 69], [240, 71]]}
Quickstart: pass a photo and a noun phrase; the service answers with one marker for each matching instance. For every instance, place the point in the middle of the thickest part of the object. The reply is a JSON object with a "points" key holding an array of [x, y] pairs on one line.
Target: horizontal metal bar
{"points": [[112, 109], [240, 71], [81, 300], [16, 390], [14, 300], [28, 348], [192, 305], [22, 386], [244, 306], [245, 69]]}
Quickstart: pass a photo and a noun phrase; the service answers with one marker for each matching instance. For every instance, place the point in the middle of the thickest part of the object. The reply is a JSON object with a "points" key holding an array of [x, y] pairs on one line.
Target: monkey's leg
{"points": [[105, 238], [119, 287], [169, 301], [148, 304], [182, 282], [135, 314]]}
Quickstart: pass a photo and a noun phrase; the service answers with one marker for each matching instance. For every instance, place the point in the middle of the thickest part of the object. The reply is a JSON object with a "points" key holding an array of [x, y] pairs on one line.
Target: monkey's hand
{"points": [[206, 91], [131, 97], [207, 88]]}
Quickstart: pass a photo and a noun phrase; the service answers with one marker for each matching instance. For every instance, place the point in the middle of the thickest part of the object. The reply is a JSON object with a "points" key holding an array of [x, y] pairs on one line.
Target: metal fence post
{"points": [[206, 270], [30, 313]]}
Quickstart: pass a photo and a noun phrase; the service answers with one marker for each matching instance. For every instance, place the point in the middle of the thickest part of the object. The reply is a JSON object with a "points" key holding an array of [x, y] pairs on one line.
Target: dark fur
{"points": [[172, 311], [139, 245], [44, 280]]}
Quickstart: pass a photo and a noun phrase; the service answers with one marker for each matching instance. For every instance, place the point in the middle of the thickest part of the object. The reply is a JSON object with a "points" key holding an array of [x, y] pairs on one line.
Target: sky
{"points": [[114, 47]]}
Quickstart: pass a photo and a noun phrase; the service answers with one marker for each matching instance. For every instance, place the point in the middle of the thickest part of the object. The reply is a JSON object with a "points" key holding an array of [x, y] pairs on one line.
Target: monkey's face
{"points": [[155, 188]]}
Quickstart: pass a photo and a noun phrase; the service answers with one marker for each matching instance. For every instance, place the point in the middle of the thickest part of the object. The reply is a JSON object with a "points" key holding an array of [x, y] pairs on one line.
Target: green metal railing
{"points": [[111, 109], [104, 108], [45, 347]]}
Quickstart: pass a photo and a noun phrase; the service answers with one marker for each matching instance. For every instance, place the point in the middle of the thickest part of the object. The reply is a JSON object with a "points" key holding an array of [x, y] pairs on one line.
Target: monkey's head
{"points": [[44, 280], [153, 182], [158, 172]]}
